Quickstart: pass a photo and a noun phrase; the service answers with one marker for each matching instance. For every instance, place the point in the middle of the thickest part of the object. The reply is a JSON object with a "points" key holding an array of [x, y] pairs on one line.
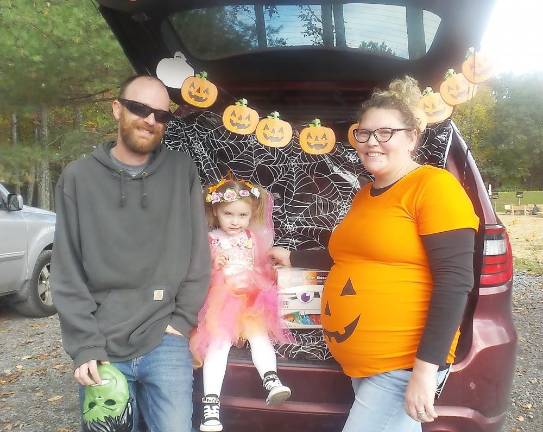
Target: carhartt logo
{"points": [[158, 295]]}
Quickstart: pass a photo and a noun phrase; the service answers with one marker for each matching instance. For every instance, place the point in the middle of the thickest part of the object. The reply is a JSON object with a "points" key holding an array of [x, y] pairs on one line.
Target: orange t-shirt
{"points": [[378, 248]]}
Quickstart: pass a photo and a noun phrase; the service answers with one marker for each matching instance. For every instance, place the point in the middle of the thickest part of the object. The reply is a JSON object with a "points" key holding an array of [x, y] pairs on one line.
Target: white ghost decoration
{"points": [[173, 71]]}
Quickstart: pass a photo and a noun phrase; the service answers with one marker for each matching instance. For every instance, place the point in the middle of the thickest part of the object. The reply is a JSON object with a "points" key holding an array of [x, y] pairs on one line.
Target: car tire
{"points": [[38, 302]]}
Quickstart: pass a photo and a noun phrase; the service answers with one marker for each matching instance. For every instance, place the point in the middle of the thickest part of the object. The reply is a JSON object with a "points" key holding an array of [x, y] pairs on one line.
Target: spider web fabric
{"points": [[312, 193]]}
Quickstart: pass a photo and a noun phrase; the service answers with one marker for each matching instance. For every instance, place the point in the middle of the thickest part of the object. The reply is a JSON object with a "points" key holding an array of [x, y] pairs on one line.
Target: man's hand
{"points": [[420, 392], [87, 373]]}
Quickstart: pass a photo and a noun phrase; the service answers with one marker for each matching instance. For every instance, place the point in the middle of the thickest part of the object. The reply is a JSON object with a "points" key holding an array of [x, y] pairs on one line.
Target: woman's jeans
{"points": [[160, 384], [379, 403]]}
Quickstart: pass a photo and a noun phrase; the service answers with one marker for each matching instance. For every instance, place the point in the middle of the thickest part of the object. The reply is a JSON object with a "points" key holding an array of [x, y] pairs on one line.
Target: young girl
{"points": [[242, 303]]}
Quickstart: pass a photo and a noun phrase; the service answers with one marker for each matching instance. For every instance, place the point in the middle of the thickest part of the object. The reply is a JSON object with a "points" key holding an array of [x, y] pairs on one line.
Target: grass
{"points": [[529, 197], [527, 265]]}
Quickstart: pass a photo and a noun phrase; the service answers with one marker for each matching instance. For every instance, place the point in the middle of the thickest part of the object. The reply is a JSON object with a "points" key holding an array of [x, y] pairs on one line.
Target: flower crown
{"points": [[230, 195]]}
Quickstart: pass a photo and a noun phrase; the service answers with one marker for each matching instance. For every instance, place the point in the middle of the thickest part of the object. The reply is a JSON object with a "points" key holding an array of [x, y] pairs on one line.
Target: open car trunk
{"points": [[326, 70]]}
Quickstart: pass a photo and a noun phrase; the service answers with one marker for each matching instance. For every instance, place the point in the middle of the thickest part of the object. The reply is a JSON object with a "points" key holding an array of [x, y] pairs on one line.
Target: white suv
{"points": [[26, 241]]}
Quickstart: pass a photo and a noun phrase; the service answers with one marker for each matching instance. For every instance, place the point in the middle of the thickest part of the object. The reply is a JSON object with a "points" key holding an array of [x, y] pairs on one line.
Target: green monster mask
{"points": [[106, 407]]}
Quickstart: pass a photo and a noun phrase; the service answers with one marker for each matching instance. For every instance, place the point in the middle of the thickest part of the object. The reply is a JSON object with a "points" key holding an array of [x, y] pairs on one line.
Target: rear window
{"points": [[389, 30]]}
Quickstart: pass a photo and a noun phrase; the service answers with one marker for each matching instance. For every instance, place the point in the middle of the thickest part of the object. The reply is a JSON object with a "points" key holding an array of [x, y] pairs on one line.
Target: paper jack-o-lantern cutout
{"points": [[273, 132], [173, 71], [434, 106], [316, 139], [239, 118], [456, 89], [107, 406], [477, 67], [198, 91], [335, 327], [350, 135]]}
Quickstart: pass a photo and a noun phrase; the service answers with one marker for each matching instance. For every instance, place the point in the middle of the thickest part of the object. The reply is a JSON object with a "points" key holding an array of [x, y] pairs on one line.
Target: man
{"points": [[130, 267]]}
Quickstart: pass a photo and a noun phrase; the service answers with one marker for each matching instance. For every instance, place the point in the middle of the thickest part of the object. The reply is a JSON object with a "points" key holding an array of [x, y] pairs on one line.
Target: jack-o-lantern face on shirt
{"points": [[340, 315], [198, 91], [316, 139], [239, 118]]}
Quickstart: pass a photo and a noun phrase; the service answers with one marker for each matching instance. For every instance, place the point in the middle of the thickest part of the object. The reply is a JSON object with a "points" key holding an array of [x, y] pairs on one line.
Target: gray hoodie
{"points": [[130, 256]]}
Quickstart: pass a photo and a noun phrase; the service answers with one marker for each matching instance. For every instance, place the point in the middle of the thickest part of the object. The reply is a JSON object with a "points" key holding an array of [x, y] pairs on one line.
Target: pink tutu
{"points": [[242, 304]]}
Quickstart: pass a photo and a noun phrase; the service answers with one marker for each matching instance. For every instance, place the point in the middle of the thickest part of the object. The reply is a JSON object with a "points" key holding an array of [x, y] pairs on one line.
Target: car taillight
{"points": [[497, 266]]}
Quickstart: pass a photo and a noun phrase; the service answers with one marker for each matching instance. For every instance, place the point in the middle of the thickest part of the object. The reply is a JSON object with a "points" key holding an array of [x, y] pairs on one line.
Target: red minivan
{"points": [[321, 58]]}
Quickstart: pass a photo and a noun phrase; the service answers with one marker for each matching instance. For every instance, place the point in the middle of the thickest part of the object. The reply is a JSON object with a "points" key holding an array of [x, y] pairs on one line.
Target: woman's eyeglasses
{"points": [[143, 111], [382, 135]]}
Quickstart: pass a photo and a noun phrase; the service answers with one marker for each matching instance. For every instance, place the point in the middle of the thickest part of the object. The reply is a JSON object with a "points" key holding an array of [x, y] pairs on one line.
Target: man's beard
{"points": [[138, 144]]}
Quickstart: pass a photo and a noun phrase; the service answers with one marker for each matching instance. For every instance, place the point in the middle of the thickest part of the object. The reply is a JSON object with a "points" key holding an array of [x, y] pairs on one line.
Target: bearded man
{"points": [[130, 267]]}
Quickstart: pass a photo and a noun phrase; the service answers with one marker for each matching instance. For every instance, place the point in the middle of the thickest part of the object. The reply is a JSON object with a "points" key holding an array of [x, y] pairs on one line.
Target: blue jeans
{"points": [[379, 403], [160, 384]]}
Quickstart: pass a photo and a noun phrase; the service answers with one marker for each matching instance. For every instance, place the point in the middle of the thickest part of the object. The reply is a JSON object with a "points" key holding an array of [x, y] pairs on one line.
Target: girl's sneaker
{"points": [[277, 392], [210, 415]]}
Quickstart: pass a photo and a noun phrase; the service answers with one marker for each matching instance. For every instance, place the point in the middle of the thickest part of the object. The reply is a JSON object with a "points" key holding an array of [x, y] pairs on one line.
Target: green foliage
{"points": [[377, 48], [65, 143], [519, 134], [55, 52], [502, 123], [60, 55]]}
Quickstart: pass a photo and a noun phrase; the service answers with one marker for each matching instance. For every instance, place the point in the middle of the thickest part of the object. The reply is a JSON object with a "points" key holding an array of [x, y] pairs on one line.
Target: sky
{"points": [[514, 36]]}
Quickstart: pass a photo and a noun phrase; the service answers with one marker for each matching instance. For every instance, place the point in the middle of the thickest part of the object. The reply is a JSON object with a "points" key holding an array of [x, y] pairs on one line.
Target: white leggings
{"points": [[214, 367]]}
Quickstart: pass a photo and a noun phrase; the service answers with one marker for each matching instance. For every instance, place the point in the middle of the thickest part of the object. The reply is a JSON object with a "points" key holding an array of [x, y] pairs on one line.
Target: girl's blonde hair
{"points": [[403, 95], [230, 190]]}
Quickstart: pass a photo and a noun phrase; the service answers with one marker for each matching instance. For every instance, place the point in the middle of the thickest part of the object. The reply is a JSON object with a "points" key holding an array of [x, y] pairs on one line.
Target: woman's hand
{"points": [[420, 392], [280, 256]]}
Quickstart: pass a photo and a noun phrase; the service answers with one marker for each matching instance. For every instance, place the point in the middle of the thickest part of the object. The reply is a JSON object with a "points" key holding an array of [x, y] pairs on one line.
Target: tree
{"points": [[377, 48], [518, 134], [502, 124], [476, 121], [58, 59], [55, 53]]}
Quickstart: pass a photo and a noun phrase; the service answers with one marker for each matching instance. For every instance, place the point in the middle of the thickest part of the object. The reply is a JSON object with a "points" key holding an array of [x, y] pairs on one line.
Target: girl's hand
{"points": [[420, 392], [280, 256], [220, 261]]}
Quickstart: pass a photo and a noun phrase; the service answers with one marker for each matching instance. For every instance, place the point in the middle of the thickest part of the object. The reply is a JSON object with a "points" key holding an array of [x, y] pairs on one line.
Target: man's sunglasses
{"points": [[143, 111]]}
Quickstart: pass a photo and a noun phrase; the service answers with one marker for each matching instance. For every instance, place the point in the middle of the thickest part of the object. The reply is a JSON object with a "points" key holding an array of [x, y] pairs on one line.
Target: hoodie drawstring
{"points": [[144, 199], [123, 193], [143, 190]]}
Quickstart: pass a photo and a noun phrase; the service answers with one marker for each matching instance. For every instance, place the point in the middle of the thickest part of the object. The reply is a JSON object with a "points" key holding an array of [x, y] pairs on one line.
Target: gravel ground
{"points": [[37, 392]]}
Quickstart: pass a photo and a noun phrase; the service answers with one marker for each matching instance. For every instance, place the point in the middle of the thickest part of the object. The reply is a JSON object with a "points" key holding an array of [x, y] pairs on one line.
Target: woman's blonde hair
{"points": [[251, 193], [403, 95]]}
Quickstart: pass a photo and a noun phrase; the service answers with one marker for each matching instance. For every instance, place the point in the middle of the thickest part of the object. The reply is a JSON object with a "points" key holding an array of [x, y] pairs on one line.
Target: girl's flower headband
{"points": [[230, 195]]}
